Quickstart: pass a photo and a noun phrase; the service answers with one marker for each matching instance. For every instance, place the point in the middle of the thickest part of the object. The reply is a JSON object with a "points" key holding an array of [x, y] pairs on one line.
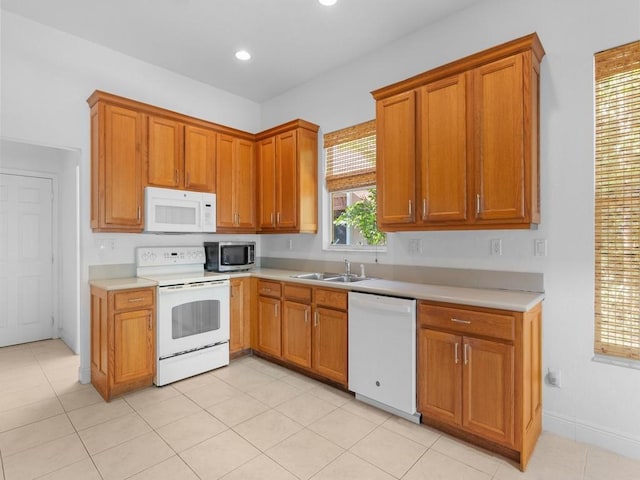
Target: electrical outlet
{"points": [[540, 247], [496, 246], [415, 246], [554, 378], [290, 244]]}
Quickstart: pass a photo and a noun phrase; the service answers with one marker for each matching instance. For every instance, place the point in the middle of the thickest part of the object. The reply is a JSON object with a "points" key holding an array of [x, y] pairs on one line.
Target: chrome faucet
{"points": [[347, 267]]}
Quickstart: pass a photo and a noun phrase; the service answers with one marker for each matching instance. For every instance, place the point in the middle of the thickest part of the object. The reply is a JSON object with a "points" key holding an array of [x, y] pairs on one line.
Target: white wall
{"points": [[46, 77], [60, 165], [597, 403]]}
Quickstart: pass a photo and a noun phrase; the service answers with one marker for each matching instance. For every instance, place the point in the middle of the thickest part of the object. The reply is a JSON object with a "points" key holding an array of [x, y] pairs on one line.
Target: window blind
{"points": [[617, 201], [351, 157]]}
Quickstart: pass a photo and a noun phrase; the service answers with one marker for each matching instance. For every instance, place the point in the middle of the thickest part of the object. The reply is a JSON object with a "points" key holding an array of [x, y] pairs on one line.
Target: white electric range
{"points": [[192, 315]]}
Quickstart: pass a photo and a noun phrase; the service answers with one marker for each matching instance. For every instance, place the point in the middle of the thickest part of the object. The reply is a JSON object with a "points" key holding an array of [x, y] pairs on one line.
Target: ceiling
{"points": [[291, 41]]}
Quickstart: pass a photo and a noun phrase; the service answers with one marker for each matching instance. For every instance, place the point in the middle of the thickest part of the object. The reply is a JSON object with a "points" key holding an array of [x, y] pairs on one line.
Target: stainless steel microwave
{"points": [[229, 256]]}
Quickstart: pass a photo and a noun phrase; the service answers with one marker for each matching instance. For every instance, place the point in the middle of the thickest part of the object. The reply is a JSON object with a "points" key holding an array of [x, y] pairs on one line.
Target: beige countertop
{"points": [[122, 283], [514, 300]]}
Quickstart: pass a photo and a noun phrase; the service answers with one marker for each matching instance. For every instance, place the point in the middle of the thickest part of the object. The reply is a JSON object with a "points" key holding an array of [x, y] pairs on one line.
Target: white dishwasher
{"points": [[382, 352]]}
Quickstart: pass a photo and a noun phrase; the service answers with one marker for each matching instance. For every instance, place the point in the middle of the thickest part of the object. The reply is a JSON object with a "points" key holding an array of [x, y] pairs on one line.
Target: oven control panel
{"points": [[161, 256]]}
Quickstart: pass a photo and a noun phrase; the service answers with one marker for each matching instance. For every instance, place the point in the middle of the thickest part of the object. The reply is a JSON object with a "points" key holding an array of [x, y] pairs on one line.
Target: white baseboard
{"points": [[586, 432]]}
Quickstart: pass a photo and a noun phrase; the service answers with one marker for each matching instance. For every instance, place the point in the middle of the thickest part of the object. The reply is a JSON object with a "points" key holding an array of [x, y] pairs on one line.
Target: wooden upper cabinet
{"points": [[476, 150], [499, 157], [235, 189], [117, 192], [165, 165], [443, 156], [267, 184], [180, 155], [199, 158], [288, 178], [396, 159]]}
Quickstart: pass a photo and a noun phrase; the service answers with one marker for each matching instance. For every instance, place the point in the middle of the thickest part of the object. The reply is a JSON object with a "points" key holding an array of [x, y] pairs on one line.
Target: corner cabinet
{"points": [[458, 145], [235, 189], [117, 187], [288, 178], [479, 375], [122, 340]]}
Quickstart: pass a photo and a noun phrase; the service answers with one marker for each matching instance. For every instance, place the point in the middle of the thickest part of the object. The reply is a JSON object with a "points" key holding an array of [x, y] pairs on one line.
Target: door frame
{"points": [[55, 266]]}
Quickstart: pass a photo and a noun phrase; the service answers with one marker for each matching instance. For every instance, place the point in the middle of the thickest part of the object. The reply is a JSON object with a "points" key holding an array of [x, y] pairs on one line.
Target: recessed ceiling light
{"points": [[243, 55], [327, 3]]}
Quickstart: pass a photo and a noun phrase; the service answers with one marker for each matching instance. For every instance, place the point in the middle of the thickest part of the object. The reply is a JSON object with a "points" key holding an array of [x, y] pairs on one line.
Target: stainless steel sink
{"points": [[329, 277], [316, 276], [346, 279]]}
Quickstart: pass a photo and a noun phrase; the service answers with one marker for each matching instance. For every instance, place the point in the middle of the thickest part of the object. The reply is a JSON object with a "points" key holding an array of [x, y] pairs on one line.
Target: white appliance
{"points": [[179, 211], [382, 352], [192, 317]]}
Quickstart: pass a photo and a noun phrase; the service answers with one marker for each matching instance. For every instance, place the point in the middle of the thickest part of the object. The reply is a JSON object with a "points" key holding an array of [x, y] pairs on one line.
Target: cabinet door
{"points": [[224, 189], [164, 153], [296, 333], [133, 346], [330, 343], [488, 395], [499, 156], [440, 375], [244, 185], [199, 159], [396, 159], [269, 326], [122, 163], [238, 315], [267, 184], [287, 181], [443, 161]]}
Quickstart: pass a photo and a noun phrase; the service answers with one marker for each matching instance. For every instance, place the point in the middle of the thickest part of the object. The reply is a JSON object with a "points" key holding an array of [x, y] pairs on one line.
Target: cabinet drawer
{"points": [[467, 322], [269, 289], [297, 292], [331, 298], [133, 299]]}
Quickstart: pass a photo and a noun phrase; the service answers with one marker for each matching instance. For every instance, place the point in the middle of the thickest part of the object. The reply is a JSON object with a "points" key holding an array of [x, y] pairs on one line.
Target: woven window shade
{"points": [[617, 213], [351, 157]]}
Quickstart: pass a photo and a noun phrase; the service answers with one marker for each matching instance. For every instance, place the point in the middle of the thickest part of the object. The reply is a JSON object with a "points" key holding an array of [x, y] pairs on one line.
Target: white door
{"points": [[26, 298]]}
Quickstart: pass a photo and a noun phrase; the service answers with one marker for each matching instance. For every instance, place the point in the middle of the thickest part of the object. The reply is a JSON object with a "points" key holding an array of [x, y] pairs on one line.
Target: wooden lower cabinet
{"points": [[479, 375], [239, 330], [311, 333], [122, 340]]}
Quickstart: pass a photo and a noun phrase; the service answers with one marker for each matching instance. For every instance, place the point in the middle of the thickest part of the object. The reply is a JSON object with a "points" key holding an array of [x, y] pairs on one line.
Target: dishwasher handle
{"points": [[379, 304]]}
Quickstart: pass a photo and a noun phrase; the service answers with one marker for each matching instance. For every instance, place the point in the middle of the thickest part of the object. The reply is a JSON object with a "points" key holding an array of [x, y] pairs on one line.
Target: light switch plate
{"points": [[540, 247], [496, 246]]}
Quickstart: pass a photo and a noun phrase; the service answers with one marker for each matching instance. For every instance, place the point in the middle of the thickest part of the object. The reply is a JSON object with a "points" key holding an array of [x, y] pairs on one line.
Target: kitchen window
{"points": [[350, 176], [617, 202]]}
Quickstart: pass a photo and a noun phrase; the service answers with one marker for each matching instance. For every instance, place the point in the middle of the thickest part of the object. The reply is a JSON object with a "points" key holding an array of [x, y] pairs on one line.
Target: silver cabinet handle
{"points": [[456, 320], [424, 208], [477, 203], [139, 212], [273, 220], [150, 323], [456, 356], [306, 316], [410, 208], [135, 300], [316, 321], [277, 305], [466, 353], [278, 218]]}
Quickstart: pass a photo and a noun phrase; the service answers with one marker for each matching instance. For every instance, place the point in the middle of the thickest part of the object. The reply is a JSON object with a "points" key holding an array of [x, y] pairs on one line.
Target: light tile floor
{"points": [[250, 420]]}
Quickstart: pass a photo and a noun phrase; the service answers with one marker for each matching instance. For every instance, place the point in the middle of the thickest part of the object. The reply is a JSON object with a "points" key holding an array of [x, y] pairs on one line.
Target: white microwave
{"points": [[179, 211]]}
